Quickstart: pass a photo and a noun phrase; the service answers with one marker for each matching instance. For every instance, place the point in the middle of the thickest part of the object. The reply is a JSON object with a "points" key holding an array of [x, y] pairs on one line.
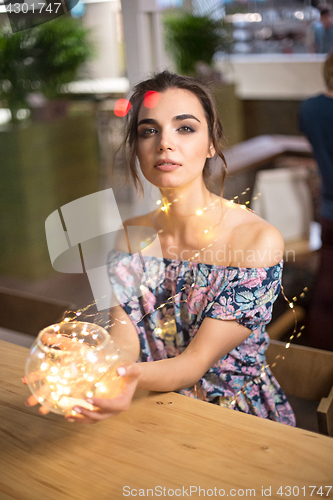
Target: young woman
{"points": [[195, 314]]}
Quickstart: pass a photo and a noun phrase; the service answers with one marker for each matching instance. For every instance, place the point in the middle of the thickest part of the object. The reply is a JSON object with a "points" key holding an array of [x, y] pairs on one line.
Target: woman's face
{"points": [[173, 139]]}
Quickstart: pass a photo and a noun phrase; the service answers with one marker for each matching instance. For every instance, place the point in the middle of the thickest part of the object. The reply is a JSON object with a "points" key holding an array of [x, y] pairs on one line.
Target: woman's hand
{"points": [[109, 407], [104, 407]]}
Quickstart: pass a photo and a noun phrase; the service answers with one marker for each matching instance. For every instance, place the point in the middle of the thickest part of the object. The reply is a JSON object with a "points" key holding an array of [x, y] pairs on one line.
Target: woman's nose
{"points": [[166, 142]]}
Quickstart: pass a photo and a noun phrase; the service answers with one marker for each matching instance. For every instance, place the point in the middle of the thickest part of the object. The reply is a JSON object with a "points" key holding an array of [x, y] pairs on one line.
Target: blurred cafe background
{"points": [[60, 128]]}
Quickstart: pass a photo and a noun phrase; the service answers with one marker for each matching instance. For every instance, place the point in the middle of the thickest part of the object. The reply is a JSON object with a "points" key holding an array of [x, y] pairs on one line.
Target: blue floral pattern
{"points": [[167, 301]]}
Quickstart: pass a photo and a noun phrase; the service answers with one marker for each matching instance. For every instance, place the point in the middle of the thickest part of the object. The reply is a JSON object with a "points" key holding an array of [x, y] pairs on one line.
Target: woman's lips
{"points": [[167, 167]]}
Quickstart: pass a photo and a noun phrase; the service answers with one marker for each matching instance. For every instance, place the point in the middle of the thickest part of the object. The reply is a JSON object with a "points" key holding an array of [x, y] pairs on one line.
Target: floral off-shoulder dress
{"points": [[167, 300]]}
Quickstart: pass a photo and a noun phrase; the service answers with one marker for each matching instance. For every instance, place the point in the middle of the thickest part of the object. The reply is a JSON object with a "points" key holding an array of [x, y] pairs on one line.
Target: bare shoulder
{"points": [[255, 242], [135, 231], [140, 220]]}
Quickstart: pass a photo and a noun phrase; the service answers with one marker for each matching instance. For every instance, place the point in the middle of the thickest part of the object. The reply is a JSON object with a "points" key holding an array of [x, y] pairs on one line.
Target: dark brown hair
{"points": [[161, 82], [325, 11], [328, 71]]}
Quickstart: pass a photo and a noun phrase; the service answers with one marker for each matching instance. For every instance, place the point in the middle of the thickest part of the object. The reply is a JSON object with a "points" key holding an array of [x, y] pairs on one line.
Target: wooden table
{"points": [[164, 441]]}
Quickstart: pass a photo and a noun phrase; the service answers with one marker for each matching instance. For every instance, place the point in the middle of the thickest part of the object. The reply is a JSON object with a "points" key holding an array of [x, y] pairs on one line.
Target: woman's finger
{"points": [[122, 401], [91, 418], [109, 407], [33, 377], [31, 401], [43, 410]]}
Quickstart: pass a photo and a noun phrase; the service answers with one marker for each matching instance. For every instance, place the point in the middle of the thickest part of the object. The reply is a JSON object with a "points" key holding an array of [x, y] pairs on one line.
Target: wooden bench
{"points": [[246, 158], [307, 374], [263, 150], [27, 313]]}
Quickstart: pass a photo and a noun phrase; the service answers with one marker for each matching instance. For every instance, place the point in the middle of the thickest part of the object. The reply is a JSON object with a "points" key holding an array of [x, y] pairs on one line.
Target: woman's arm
{"points": [[214, 339]]}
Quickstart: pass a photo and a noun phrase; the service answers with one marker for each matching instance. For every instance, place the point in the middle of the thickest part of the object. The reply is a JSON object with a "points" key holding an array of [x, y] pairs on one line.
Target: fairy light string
{"points": [[109, 323]]}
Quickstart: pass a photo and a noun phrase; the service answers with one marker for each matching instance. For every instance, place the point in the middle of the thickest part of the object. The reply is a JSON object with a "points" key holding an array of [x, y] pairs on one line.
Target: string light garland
{"points": [[109, 323], [71, 361]]}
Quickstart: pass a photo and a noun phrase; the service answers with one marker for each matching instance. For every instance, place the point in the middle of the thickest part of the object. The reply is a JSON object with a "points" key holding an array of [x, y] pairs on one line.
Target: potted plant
{"points": [[41, 60], [193, 40], [43, 165]]}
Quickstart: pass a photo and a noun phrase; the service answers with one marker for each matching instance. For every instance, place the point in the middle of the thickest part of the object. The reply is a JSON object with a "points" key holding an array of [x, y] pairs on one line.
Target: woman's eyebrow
{"points": [[151, 121], [147, 120], [186, 117]]}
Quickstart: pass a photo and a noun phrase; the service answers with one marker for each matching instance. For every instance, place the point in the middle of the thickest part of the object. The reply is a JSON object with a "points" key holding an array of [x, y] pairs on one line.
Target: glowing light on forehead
{"points": [[122, 107], [151, 99]]}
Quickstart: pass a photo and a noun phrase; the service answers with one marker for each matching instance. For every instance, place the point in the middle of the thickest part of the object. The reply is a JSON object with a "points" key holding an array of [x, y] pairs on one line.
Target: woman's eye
{"points": [[186, 128], [147, 132]]}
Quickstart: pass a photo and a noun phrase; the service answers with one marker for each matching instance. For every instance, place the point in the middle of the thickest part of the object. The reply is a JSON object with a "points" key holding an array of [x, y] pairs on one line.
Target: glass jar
{"points": [[72, 361]]}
